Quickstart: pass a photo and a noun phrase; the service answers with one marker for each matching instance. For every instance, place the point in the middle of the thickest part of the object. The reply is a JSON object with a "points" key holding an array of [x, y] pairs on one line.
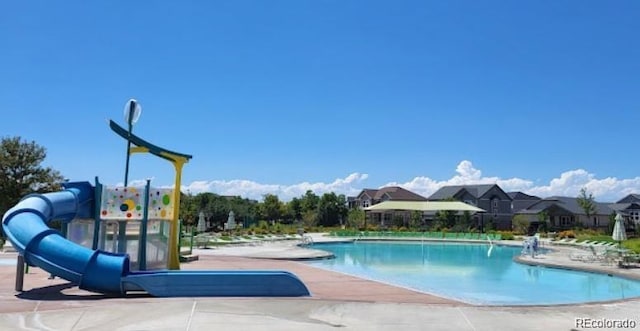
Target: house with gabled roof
{"points": [[489, 197], [629, 208], [521, 200], [566, 213], [370, 197]]}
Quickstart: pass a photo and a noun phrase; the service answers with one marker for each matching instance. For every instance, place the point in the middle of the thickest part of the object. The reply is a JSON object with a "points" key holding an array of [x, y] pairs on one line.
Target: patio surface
{"points": [[337, 301]]}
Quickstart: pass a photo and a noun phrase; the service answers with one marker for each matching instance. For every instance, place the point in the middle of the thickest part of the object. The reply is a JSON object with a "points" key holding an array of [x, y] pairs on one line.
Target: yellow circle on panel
{"points": [[163, 213], [130, 204]]}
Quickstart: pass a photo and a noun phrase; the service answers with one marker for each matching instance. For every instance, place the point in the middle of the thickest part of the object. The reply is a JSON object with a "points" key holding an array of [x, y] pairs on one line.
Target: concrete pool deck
{"points": [[337, 301]]}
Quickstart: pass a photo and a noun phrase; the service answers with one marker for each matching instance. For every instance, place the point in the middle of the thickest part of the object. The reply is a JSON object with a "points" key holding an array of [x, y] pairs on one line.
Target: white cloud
{"points": [[568, 183], [467, 174], [606, 189], [350, 185]]}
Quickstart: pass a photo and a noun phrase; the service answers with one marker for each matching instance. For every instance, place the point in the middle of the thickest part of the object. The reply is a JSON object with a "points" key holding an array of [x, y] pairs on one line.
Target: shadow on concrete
{"points": [[55, 293]]}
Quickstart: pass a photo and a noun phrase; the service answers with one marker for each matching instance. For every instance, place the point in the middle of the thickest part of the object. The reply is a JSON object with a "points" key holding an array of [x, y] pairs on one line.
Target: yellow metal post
{"points": [[174, 239]]}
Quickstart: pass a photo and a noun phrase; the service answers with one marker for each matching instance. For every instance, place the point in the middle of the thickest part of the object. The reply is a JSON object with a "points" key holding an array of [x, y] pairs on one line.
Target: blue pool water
{"points": [[473, 274]]}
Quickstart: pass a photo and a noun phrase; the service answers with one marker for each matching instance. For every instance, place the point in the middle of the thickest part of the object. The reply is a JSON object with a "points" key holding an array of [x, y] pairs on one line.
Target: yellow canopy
{"points": [[425, 206]]}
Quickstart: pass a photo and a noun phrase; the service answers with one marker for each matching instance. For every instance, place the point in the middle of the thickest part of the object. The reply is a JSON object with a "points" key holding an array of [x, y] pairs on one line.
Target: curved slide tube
{"points": [[25, 225]]}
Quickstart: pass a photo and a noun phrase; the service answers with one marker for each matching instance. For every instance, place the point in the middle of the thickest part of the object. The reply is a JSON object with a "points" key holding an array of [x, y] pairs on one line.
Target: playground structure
{"points": [[121, 239]]}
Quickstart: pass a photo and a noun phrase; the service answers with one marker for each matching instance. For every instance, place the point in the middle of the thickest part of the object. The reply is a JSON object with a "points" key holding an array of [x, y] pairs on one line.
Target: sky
{"points": [[285, 96]]}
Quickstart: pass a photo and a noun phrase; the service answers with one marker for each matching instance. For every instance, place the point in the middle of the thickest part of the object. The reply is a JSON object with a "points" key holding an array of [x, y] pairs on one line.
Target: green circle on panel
{"points": [[138, 207], [166, 199]]}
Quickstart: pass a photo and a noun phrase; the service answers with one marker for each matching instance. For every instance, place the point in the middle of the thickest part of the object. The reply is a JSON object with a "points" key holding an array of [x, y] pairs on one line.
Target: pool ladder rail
{"points": [[306, 241]]}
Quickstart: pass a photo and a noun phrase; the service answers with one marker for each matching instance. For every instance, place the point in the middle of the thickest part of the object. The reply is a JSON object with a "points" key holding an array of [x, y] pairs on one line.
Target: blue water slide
{"points": [[25, 225]]}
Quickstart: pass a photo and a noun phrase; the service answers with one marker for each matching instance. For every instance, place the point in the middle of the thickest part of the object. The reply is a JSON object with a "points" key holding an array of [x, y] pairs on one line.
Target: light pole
{"points": [[132, 112]]}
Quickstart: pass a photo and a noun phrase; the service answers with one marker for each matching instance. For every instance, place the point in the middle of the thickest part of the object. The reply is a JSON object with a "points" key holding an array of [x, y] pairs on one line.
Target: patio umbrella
{"points": [[202, 224], [619, 233]]}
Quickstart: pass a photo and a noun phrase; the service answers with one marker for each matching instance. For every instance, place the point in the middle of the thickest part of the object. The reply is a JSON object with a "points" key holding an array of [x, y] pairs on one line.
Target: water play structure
{"points": [[121, 239]]}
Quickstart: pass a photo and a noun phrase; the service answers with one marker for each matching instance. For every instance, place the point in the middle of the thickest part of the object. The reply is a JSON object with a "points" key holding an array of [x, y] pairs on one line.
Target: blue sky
{"points": [[284, 96]]}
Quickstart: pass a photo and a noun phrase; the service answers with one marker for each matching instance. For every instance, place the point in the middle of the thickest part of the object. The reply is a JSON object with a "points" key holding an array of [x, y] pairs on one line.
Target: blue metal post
{"points": [[122, 236], [96, 217], [142, 247], [132, 108]]}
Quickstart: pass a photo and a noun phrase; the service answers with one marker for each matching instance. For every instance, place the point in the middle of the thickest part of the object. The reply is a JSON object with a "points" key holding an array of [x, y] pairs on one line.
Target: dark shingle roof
{"points": [[369, 191], [394, 192], [630, 198], [398, 193], [446, 192], [522, 196], [521, 200], [568, 203], [623, 206]]}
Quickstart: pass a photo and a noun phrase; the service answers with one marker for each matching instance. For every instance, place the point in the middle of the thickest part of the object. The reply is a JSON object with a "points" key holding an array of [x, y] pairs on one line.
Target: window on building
{"points": [[565, 221], [387, 218], [595, 221], [365, 203]]}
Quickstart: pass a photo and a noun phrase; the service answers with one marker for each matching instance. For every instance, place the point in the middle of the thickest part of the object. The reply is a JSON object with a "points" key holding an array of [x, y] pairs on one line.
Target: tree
{"points": [[464, 222], [543, 221], [310, 218], [415, 219], [188, 209], [587, 202], [216, 208], [294, 209], [309, 201], [355, 218], [21, 171], [445, 218], [332, 209], [272, 208], [520, 224]]}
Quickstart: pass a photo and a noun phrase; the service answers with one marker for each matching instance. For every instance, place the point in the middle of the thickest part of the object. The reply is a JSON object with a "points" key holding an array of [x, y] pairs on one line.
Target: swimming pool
{"points": [[472, 273]]}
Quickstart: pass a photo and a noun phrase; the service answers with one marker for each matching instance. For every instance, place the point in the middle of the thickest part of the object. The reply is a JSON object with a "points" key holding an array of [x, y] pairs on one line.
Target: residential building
{"points": [[370, 197], [566, 213], [629, 208], [521, 201], [489, 197]]}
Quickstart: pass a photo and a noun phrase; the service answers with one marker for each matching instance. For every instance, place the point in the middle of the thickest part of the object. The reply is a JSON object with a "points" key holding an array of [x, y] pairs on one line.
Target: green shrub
{"points": [[632, 244], [520, 224], [567, 234], [506, 235], [264, 225]]}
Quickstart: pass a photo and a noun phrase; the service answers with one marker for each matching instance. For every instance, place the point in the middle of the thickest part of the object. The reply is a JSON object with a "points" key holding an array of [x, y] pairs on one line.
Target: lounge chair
{"points": [[450, 235], [566, 241], [594, 255]]}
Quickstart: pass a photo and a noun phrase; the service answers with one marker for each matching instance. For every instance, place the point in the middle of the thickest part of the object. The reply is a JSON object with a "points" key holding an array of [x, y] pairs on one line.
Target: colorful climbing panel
{"points": [[161, 203], [122, 203], [127, 203]]}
